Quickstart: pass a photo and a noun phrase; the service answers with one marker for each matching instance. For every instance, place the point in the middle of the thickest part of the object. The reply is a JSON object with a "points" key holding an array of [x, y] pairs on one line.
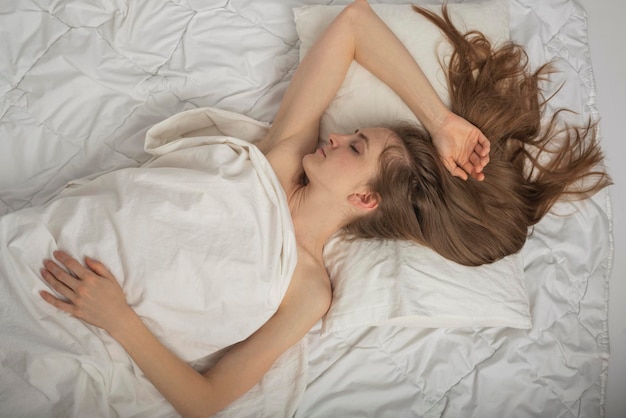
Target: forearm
{"points": [[380, 52], [93, 295], [193, 394], [184, 388]]}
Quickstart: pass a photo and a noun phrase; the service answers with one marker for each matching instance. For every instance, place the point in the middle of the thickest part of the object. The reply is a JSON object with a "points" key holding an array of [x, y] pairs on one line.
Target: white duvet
{"points": [[201, 240], [82, 81]]}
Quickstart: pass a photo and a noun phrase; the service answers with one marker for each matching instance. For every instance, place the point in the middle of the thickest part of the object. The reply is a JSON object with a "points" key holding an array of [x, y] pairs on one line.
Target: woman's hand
{"points": [[462, 147], [92, 292]]}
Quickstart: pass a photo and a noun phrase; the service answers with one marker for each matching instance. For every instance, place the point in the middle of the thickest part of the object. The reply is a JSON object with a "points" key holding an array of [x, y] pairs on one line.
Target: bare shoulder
{"points": [[310, 285]]}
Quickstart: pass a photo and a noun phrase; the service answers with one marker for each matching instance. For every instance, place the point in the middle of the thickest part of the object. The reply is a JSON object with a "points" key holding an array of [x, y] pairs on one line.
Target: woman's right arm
{"points": [[294, 132], [359, 34], [462, 146]]}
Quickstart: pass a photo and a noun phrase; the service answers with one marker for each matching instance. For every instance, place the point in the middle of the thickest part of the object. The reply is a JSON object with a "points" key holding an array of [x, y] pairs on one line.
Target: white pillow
{"points": [[378, 282], [363, 100]]}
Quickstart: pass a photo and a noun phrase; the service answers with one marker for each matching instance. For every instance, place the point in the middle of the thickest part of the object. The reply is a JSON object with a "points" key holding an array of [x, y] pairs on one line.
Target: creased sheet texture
{"points": [[201, 240]]}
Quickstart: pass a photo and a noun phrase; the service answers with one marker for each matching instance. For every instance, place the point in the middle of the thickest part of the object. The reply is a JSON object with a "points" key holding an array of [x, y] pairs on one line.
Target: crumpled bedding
{"points": [[558, 368], [200, 238], [81, 83]]}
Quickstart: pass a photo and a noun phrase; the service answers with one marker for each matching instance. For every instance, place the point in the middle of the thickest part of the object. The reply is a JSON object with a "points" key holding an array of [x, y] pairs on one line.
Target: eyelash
{"points": [[355, 149]]}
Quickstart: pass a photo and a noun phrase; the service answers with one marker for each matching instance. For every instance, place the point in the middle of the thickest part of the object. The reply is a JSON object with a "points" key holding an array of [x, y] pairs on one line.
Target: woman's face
{"points": [[347, 164]]}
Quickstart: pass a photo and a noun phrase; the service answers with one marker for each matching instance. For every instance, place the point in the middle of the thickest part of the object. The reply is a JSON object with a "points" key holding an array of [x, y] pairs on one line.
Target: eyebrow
{"points": [[363, 137]]}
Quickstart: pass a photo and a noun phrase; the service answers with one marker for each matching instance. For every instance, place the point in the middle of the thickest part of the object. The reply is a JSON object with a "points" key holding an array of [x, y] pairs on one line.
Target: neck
{"points": [[316, 218]]}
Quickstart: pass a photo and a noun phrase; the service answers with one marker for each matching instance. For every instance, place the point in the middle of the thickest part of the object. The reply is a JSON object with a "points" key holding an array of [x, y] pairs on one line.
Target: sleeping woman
{"points": [[470, 198]]}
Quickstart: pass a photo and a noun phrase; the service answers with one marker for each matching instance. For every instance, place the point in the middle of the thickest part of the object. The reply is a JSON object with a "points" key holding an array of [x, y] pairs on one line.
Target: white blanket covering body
{"points": [[201, 240]]}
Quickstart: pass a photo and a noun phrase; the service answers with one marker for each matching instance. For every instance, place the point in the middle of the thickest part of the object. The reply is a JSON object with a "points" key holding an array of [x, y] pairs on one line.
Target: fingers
{"points": [[469, 168], [59, 279], [479, 158], [485, 146], [457, 171], [71, 264], [453, 168], [59, 304], [478, 162], [478, 176], [464, 149], [474, 168], [482, 150], [98, 268], [67, 283]]}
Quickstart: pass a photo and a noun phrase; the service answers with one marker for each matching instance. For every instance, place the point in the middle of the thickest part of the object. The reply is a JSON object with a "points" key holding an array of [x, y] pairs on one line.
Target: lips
{"points": [[322, 151]]}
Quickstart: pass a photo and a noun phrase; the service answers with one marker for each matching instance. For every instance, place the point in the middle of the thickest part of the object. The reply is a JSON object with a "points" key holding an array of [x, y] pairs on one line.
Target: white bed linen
{"points": [[558, 367], [200, 239], [81, 83]]}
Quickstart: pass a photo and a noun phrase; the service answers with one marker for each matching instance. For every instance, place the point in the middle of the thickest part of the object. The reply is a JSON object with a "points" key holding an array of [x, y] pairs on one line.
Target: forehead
{"points": [[380, 135]]}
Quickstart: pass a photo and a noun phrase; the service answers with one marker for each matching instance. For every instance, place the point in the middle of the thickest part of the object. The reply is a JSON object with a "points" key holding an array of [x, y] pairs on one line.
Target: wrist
{"points": [[437, 120], [125, 324]]}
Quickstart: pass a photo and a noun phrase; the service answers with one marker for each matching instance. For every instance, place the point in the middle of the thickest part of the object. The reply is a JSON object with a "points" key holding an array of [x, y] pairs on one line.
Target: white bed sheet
{"points": [[201, 241], [81, 82]]}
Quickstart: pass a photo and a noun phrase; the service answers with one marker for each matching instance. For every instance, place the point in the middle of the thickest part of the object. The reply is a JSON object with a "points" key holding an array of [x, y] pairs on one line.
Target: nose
{"points": [[335, 139]]}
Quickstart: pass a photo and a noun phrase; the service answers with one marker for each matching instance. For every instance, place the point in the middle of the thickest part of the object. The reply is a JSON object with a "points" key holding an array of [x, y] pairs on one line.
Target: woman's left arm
{"points": [[94, 296]]}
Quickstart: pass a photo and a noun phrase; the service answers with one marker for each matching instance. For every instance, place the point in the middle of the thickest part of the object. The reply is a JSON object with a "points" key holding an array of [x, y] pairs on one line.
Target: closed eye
{"points": [[364, 138], [354, 149]]}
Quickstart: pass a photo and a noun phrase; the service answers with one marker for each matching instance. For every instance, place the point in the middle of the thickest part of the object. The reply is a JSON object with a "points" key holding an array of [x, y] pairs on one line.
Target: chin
{"points": [[308, 161]]}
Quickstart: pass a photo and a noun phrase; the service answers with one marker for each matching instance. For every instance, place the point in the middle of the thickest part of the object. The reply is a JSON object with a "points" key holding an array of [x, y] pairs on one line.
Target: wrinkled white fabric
{"points": [[200, 239], [82, 81], [559, 366], [556, 367]]}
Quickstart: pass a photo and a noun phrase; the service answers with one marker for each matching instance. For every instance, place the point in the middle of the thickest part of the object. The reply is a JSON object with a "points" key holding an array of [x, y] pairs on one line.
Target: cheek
{"points": [[359, 173], [374, 168]]}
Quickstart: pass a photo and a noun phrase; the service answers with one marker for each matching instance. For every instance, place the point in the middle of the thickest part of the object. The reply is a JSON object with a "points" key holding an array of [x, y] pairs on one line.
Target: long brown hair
{"points": [[531, 165]]}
